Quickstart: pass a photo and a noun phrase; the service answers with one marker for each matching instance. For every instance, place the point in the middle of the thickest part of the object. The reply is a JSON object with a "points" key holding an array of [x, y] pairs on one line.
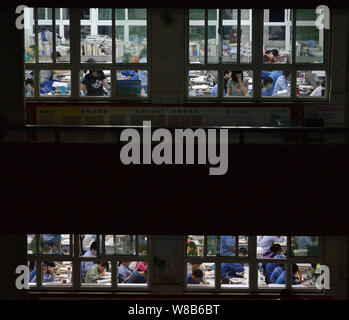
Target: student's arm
{"points": [[244, 89], [84, 89], [105, 84]]}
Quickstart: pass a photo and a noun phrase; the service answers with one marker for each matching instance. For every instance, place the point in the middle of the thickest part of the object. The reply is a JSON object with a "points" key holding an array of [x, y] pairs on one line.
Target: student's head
{"points": [[197, 275], [46, 267], [275, 248], [286, 73], [93, 247], [294, 269], [267, 83], [272, 53], [242, 252], [54, 246], [58, 56], [102, 266], [235, 74], [227, 74], [31, 50], [46, 249], [195, 265]]}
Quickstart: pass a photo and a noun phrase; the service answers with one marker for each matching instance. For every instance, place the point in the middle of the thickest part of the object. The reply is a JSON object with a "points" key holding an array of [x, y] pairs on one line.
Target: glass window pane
{"points": [[125, 244], [304, 275], [31, 243], [55, 83], [132, 83], [195, 245], [271, 247], [96, 42], [276, 83], [271, 275], [212, 245], [104, 14], [120, 14], [132, 274], [57, 273], [201, 274], [246, 37], [307, 246], [96, 273], [41, 13], [227, 245], [88, 245], [311, 83], [229, 35], [243, 246], [32, 273], [29, 83], [85, 14], [58, 14], [234, 275], [44, 33], [277, 40], [213, 36], [309, 37], [95, 83], [63, 38], [29, 36], [238, 83], [196, 35], [143, 245], [131, 40], [54, 244], [137, 14], [203, 83]]}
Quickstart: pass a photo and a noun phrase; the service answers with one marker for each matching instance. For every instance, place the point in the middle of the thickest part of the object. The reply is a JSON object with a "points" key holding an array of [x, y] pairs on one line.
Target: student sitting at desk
{"points": [[295, 280], [96, 271], [269, 81], [124, 272], [86, 265], [275, 252], [270, 56], [195, 277], [227, 246], [93, 83], [281, 82], [319, 89], [237, 85], [29, 54], [231, 270], [138, 277], [47, 273]]}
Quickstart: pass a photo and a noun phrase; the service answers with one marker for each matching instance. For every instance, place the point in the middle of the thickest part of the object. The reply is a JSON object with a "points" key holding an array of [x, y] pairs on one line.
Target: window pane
{"points": [[213, 36], [238, 83], [246, 37], [132, 274], [120, 14], [132, 83], [143, 245], [104, 14], [45, 29], [41, 13], [304, 275], [196, 35], [203, 83], [243, 246], [85, 14], [32, 273], [137, 14], [304, 246], [195, 245], [212, 245], [54, 244], [276, 83], [95, 83], [229, 35], [309, 37], [31, 243], [271, 247], [29, 37], [227, 245], [234, 275], [63, 38], [57, 273], [271, 275], [132, 46], [201, 274], [96, 273], [88, 240], [55, 83], [96, 42], [277, 40], [29, 83]]}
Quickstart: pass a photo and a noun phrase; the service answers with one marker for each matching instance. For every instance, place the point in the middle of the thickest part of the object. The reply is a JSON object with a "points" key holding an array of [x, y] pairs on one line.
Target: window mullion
{"points": [[238, 36], [257, 49], [293, 56], [75, 52], [206, 38]]}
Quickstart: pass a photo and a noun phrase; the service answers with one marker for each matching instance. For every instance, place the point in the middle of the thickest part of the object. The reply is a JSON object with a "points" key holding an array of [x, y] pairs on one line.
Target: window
{"points": [[109, 61], [292, 64], [252, 264], [89, 261]]}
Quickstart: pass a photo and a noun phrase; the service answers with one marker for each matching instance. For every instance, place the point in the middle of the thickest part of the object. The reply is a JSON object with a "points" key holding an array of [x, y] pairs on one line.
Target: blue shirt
{"points": [[267, 241], [282, 279], [303, 242], [50, 238], [227, 246], [274, 75], [137, 277], [280, 85], [191, 281], [86, 265], [123, 272], [127, 73], [47, 277], [231, 270]]}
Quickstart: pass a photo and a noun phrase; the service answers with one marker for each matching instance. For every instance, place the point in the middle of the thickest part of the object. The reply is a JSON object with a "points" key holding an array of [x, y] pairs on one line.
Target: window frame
{"points": [[76, 259], [253, 262], [257, 65], [75, 64]]}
